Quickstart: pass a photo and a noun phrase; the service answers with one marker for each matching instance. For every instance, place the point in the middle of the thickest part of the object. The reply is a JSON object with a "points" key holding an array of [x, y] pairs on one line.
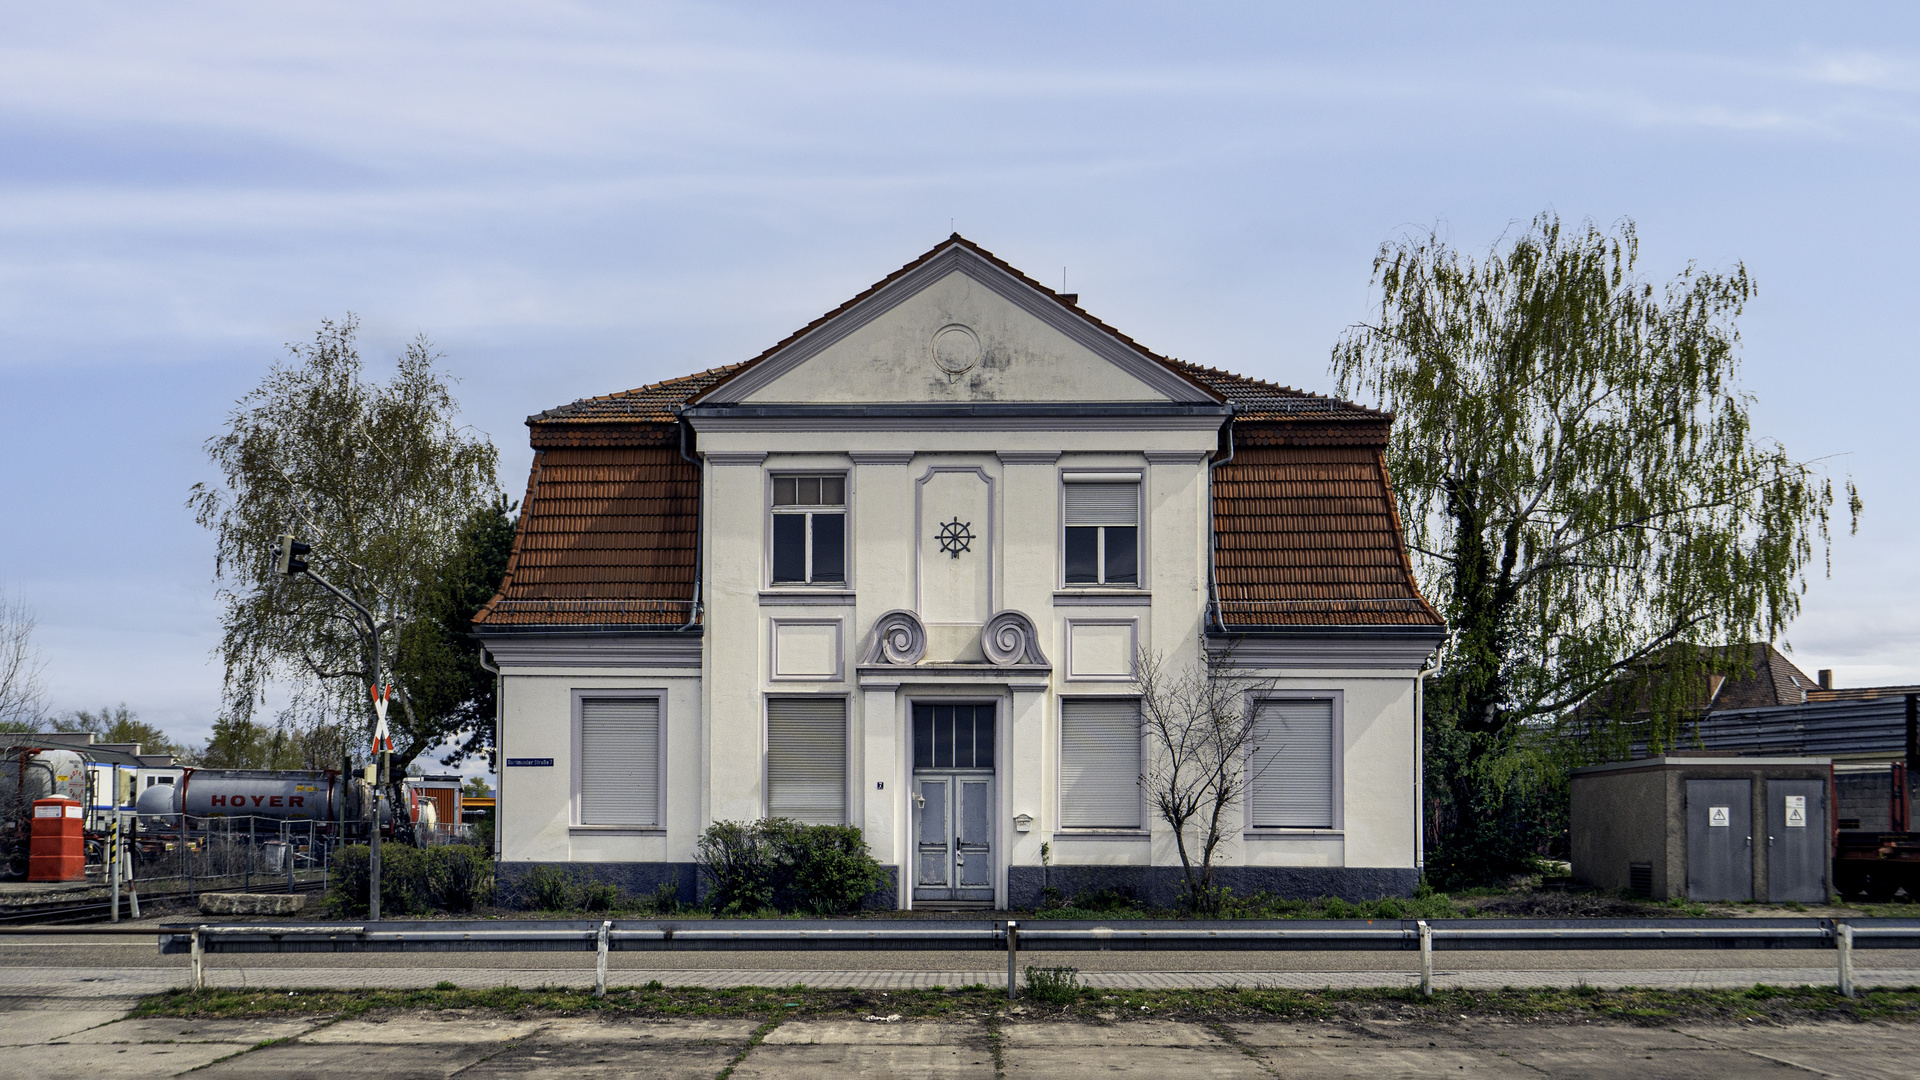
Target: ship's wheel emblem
{"points": [[955, 537]]}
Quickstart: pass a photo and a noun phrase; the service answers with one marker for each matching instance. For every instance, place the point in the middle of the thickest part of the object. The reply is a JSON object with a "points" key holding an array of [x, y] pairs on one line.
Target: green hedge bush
{"points": [[413, 881], [787, 866]]}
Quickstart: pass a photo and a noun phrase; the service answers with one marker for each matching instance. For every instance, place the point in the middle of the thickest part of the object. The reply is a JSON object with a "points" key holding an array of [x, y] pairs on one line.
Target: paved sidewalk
{"points": [[92, 1043]]}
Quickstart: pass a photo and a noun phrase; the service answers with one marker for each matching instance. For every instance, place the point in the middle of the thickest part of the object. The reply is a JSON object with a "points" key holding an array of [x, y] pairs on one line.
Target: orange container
{"points": [[59, 847]]}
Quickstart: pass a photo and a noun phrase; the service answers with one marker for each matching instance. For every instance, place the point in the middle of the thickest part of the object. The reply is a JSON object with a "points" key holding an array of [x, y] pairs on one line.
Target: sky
{"points": [[571, 199]]}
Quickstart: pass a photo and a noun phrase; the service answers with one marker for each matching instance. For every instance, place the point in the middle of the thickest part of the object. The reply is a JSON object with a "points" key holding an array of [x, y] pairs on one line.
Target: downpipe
{"points": [[1213, 536], [1420, 760], [500, 770], [699, 525]]}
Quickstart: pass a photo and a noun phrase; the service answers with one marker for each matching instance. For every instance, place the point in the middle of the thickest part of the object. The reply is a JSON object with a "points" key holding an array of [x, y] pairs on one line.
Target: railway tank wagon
{"points": [[212, 793]]}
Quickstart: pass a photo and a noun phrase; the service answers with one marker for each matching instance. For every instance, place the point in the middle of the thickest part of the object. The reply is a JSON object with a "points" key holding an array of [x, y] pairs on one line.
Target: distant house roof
{"points": [[1307, 527]]}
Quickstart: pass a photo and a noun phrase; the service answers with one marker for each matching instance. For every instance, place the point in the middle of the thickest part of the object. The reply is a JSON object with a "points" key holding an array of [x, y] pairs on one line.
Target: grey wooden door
{"points": [[953, 836], [1719, 840], [1797, 841]]}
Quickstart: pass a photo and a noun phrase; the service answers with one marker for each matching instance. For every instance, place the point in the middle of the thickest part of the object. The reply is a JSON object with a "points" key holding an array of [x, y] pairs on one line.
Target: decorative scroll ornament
{"points": [[955, 537], [1009, 638], [898, 638]]}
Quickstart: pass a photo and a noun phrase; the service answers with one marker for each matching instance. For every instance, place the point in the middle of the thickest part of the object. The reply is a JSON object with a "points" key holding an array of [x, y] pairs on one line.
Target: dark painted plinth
{"points": [[1162, 886], [639, 880]]}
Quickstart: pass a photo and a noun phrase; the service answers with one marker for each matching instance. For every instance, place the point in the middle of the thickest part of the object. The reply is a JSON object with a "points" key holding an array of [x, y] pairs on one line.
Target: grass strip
{"points": [[1583, 1004]]}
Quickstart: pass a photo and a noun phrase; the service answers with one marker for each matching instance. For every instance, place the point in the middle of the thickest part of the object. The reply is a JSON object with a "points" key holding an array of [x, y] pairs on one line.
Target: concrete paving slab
{"points": [[1809, 1035], [1661, 1065], [1162, 1062], [1127, 1033], [158, 1029], [337, 1061], [864, 1033], [107, 1062], [1401, 1063], [679, 1060], [25, 1027], [595, 1030], [832, 1061], [448, 1026], [1516, 1035], [1343, 1034], [1852, 1064]]}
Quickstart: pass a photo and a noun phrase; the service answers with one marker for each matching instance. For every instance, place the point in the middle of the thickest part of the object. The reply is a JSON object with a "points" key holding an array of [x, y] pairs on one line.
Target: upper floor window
{"points": [[1102, 542], [809, 530]]}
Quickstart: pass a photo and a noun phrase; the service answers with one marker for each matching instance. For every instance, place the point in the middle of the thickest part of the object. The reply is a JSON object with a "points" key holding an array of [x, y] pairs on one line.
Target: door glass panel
{"points": [[973, 813], [933, 816]]}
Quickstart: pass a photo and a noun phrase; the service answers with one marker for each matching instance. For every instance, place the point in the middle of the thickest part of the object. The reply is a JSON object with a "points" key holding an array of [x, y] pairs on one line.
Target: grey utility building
{"points": [[1705, 828]]}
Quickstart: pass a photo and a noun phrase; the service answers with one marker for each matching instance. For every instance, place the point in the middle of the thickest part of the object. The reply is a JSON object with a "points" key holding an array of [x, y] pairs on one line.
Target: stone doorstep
{"points": [[226, 903]]}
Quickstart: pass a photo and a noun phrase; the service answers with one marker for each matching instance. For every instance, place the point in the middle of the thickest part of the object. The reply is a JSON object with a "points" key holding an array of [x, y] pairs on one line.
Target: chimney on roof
{"points": [[1826, 678]]}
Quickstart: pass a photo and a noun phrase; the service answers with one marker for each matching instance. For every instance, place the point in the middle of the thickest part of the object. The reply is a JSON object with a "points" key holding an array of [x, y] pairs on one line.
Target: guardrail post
{"points": [[199, 966], [1426, 959], [1843, 941], [1013, 957], [600, 966]]}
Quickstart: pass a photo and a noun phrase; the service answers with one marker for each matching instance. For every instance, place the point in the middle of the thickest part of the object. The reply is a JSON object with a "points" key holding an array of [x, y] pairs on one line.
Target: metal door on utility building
{"points": [[1797, 841], [1719, 839]]}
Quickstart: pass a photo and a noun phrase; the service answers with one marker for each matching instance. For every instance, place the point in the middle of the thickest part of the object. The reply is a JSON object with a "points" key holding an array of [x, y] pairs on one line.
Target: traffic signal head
{"points": [[290, 561]]}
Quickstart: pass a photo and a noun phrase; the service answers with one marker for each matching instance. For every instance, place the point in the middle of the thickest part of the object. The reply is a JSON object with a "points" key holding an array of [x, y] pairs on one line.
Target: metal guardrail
{"points": [[694, 935]]}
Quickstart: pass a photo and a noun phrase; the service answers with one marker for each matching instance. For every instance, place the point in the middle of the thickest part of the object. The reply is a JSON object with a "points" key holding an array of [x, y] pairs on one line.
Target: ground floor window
{"points": [[807, 759], [1100, 763], [620, 761], [1291, 766]]}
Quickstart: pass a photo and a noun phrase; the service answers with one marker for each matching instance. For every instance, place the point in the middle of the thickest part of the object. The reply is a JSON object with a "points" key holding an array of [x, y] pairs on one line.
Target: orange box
{"points": [[59, 847]]}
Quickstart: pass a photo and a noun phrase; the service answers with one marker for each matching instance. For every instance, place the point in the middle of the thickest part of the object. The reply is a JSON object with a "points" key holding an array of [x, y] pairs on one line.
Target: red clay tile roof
{"points": [[1256, 400], [1310, 535], [652, 403], [607, 536]]}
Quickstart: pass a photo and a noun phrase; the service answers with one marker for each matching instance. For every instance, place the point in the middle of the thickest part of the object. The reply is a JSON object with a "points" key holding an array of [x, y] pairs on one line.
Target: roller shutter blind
{"points": [[1293, 765], [807, 759], [620, 761], [1100, 764], [1103, 504]]}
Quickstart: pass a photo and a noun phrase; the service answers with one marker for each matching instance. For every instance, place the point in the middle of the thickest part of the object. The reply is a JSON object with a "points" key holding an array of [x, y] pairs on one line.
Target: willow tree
{"points": [[386, 485], [1584, 497]]}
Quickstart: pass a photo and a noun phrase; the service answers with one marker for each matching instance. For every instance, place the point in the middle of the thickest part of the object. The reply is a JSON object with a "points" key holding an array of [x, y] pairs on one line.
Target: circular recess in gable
{"points": [[955, 348]]}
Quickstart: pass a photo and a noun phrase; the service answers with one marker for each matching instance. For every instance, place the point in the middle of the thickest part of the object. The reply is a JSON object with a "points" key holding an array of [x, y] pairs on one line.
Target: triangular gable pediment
{"points": [[957, 326]]}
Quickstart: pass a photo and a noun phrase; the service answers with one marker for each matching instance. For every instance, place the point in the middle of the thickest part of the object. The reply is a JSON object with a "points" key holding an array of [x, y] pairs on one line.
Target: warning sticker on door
{"points": [[1720, 817], [1796, 811]]}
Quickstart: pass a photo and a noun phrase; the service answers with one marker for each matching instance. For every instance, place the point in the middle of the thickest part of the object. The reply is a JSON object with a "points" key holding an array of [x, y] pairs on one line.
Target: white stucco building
{"points": [[895, 572]]}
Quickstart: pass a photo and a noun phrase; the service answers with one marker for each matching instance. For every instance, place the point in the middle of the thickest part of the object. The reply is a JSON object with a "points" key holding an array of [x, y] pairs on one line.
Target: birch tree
{"points": [[1584, 496], [381, 480]]}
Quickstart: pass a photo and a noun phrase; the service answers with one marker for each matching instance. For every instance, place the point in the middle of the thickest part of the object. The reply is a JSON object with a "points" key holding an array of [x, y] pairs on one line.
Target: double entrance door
{"points": [[953, 801]]}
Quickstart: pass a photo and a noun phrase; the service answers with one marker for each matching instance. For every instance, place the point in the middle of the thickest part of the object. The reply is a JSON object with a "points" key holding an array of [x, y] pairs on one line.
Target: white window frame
{"points": [[846, 527], [1134, 476], [766, 752], [579, 698], [1065, 832], [1337, 763]]}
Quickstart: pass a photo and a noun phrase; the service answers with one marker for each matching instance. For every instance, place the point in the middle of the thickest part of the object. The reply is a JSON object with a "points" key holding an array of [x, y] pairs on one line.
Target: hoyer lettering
{"points": [[239, 802]]}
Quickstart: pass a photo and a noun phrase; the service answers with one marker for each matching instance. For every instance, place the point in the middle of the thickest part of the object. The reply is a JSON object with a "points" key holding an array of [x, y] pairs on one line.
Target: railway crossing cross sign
{"points": [[382, 739]]}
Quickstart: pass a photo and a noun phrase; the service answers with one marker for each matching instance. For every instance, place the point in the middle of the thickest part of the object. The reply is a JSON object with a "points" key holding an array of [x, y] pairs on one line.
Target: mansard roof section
{"points": [[1029, 344]]}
